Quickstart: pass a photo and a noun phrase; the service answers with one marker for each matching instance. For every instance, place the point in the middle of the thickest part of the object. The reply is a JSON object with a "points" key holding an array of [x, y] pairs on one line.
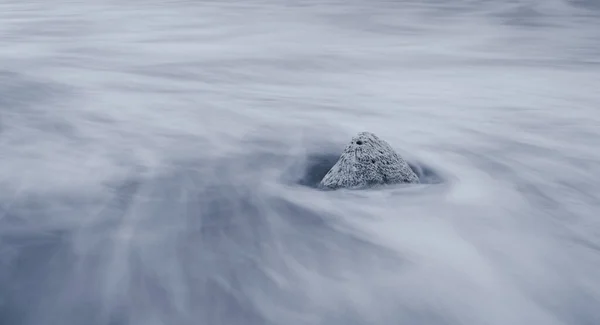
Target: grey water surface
{"points": [[158, 162]]}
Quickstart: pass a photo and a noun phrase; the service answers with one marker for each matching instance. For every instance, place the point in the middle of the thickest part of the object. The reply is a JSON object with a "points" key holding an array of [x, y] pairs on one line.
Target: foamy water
{"points": [[157, 162]]}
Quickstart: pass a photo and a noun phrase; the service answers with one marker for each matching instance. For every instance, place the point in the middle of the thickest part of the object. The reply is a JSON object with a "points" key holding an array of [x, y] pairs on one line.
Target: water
{"points": [[157, 160]]}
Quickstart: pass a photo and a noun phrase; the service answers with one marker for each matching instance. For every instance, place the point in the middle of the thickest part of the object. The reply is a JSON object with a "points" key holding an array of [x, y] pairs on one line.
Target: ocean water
{"points": [[158, 162]]}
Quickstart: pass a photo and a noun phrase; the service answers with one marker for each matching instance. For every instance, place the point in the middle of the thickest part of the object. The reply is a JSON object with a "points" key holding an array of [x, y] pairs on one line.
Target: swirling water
{"points": [[157, 161]]}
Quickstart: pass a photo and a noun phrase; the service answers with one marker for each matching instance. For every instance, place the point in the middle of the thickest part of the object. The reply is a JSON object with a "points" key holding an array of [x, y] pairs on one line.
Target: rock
{"points": [[365, 162]]}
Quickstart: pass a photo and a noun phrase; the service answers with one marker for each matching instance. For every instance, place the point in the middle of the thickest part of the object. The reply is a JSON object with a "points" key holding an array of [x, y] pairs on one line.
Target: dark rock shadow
{"points": [[317, 165], [426, 173]]}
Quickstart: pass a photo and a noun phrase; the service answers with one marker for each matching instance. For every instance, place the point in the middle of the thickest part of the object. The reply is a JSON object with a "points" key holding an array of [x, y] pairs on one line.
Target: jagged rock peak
{"points": [[367, 161]]}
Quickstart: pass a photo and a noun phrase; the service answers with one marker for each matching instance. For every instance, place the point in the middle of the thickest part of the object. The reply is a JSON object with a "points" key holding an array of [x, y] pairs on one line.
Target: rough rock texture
{"points": [[368, 161]]}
